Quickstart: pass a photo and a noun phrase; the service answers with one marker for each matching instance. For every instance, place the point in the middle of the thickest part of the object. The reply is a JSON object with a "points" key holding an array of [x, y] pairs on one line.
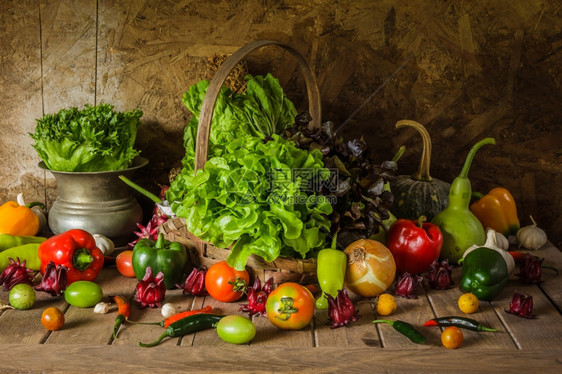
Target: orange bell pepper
{"points": [[18, 220], [497, 210]]}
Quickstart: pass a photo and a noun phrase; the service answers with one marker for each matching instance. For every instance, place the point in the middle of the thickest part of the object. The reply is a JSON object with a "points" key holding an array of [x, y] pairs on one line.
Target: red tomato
{"points": [[124, 262], [290, 306], [221, 279]]}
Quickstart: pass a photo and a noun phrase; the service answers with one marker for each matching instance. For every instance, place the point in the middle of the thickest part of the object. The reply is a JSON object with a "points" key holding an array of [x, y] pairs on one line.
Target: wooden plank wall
{"points": [[465, 69]]}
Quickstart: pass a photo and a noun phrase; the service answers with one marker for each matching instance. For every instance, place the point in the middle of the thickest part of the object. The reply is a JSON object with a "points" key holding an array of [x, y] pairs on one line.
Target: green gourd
{"points": [[460, 228], [419, 194]]}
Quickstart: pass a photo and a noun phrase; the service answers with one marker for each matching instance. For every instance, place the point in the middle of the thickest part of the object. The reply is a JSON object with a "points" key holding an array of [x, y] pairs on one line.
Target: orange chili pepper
{"points": [[497, 210], [123, 311], [176, 317]]}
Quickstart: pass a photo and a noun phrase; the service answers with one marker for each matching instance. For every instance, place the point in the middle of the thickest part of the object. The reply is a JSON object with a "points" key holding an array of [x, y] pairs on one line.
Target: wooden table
{"points": [[85, 345]]}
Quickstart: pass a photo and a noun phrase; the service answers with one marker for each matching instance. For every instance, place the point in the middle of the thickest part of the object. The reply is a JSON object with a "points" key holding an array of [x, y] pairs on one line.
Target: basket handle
{"points": [[204, 126]]}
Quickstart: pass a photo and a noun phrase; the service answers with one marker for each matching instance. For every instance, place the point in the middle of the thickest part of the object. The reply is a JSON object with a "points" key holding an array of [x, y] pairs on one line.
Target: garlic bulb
{"points": [[104, 244], [168, 310], [501, 241], [501, 247], [531, 237]]}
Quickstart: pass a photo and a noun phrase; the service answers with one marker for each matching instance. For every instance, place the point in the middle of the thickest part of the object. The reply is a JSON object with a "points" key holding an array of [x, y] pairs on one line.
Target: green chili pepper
{"points": [[186, 326], [163, 256], [462, 322], [8, 241], [460, 227], [330, 271], [405, 329], [26, 252]]}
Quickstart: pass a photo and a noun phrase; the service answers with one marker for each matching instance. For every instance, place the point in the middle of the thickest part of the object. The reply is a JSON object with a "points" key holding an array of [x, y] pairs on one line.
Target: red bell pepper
{"points": [[76, 249], [415, 244]]}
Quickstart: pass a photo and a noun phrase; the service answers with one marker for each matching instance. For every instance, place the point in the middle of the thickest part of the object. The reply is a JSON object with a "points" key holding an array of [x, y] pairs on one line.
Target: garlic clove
{"points": [[104, 244], [101, 308]]}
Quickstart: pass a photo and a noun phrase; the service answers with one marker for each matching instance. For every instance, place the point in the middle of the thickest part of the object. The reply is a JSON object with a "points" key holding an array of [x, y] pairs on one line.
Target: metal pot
{"points": [[98, 202]]}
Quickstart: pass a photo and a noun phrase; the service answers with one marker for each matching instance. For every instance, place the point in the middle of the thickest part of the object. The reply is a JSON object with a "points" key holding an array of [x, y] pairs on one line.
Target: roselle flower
{"points": [[150, 231], [521, 305], [530, 269], [54, 280], [406, 285], [341, 310], [257, 296], [195, 283], [151, 290], [439, 275], [15, 273]]}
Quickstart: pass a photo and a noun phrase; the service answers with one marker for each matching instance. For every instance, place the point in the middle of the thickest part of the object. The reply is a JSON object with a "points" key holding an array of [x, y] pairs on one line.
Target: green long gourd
{"points": [[461, 229]]}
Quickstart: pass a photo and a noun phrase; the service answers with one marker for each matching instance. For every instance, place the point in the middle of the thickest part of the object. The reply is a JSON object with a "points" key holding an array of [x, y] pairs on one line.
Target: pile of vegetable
{"points": [[254, 193], [96, 138]]}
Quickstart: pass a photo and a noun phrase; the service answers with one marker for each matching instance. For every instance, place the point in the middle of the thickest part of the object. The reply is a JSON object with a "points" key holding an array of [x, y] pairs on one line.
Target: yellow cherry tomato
{"points": [[468, 303], [386, 305], [452, 337]]}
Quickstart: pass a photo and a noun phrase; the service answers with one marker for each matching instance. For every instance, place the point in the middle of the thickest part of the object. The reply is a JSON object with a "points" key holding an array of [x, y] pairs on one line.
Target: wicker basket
{"points": [[205, 254]]}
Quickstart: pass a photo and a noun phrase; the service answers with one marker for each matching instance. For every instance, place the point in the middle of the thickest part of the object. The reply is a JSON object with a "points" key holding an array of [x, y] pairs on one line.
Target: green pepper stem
{"points": [[421, 220], [423, 172], [140, 189], [156, 342], [391, 323], [470, 156], [160, 242], [118, 322], [161, 323], [82, 258], [477, 195]]}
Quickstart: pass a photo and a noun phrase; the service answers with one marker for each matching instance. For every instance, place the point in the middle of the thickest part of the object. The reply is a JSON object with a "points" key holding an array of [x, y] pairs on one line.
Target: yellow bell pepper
{"points": [[19, 220], [497, 210]]}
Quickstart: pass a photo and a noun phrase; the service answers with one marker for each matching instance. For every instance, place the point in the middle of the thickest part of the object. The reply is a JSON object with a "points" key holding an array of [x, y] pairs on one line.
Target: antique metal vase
{"points": [[98, 202]]}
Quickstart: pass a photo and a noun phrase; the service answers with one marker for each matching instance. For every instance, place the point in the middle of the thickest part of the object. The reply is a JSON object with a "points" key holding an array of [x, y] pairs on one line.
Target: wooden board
{"points": [[522, 344]]}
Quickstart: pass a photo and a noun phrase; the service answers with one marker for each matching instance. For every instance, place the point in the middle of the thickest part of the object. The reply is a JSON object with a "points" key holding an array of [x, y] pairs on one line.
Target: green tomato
{"points": [[22, 296], [236, 329], [83, 294]]}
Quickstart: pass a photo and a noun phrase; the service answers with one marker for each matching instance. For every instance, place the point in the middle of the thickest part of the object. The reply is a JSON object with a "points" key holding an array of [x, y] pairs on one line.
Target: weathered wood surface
{"points": [[466, 70], [85, 344]]}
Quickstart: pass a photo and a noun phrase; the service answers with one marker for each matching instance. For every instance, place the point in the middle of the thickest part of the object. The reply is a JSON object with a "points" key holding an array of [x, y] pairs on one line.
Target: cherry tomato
{"points": [[290, 306], [452, 337], [52, 319], [221, 281], [124, 262]]}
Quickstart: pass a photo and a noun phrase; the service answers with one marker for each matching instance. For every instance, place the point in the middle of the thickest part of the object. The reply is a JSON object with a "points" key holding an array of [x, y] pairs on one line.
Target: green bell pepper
{"points": [[163, 256], [484, 273]]}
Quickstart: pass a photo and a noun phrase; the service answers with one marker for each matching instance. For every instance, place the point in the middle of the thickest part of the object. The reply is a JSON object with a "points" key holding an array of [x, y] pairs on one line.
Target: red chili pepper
{"points": [[415, 244], [176, 317], [123, 312], [76, 249]]}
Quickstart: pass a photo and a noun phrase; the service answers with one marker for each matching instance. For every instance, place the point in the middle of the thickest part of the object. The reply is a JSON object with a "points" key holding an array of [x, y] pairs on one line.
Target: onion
{"points": [[370, 268]]}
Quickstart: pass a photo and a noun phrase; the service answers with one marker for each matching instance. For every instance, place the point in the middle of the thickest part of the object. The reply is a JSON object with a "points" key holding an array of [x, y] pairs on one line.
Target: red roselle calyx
{"points": [[440, 275], [54, 280], [15, 273], [257, 296], [406, 285], [151, 290], [530, 269], [195, 283], [521, 305], [341, 310]]}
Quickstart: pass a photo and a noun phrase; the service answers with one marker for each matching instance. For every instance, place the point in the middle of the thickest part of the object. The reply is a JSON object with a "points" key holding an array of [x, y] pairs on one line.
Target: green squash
{"points": [[419, 194]]}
